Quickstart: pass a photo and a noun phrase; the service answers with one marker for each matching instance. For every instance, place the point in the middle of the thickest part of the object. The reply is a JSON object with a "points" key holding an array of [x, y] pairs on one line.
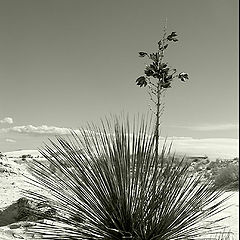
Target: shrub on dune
{"points": [[109, 185], [228, 177]]}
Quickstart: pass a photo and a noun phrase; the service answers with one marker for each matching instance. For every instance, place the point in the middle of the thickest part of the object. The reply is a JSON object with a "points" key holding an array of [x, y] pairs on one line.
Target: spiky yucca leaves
{"points": [[108, 185]]}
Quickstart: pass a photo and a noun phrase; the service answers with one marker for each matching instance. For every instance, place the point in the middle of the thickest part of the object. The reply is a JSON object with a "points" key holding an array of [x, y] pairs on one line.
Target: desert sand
{"points": [[12, 180]]}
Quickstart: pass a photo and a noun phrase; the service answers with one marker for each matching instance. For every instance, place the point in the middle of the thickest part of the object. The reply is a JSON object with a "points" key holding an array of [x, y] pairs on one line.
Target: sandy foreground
{"points": [[12, 180]]}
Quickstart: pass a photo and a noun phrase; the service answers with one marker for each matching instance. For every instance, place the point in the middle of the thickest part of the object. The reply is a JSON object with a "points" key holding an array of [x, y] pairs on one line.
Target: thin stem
{"points": [[159, 88], [157, 119]]}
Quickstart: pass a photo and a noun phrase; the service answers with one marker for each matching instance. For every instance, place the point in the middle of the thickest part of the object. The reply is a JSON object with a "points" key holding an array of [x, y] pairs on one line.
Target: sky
{"points": [[65, 63]]}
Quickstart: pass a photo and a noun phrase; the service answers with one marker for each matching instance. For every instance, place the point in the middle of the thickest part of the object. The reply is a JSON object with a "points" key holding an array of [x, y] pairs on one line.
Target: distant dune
{"points": [[19, 153]]}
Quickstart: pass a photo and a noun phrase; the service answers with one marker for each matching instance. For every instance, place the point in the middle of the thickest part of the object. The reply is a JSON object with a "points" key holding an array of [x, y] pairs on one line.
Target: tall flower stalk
{"points": [[158, 77]]}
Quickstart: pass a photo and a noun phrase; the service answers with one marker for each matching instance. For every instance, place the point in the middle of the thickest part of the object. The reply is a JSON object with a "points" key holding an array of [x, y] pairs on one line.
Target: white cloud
{"points": [[10, 140], [38, 130], [211, 127], [217, 127], [7, 120]]}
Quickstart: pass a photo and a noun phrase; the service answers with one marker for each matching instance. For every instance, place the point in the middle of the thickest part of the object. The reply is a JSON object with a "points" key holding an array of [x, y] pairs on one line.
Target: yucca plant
{"points": [[107, 185]]}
